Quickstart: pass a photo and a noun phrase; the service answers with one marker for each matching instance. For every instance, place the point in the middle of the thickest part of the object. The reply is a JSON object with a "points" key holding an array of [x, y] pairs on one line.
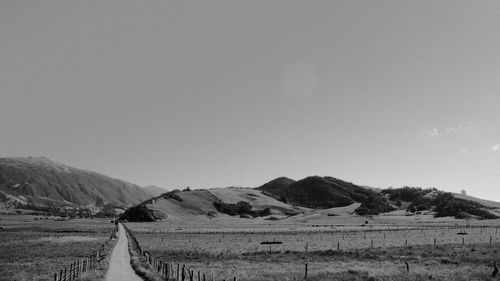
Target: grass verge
{"points": [[138, 262]]}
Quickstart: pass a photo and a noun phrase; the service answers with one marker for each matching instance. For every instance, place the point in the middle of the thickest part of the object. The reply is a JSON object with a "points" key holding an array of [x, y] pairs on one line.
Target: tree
{"points": [[99, 202]]}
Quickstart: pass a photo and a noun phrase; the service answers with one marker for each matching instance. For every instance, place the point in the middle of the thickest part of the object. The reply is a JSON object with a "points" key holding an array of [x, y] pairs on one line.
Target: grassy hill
{"points": [[154, 190], [42, 181], [443, 204], [210, 203], [317, 192]]}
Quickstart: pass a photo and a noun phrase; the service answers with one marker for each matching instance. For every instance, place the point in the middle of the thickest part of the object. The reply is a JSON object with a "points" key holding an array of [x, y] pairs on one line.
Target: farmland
{"points": [[34, 249], [439, 251]]}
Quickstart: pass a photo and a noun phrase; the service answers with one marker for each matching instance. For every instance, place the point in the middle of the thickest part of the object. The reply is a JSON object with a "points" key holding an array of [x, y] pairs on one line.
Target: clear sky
{"points": [[218, 93]]}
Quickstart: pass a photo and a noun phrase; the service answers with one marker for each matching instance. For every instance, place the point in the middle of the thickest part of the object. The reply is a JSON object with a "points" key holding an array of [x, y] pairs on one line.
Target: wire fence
{"points": [[169, 270], [79, 266]]}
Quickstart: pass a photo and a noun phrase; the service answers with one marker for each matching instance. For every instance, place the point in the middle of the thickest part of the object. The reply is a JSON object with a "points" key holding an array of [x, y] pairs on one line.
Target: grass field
{"points": [[227, 250], [35, 249]]}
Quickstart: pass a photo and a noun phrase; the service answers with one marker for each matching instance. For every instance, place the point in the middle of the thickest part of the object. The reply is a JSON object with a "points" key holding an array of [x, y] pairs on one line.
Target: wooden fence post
{"points": [[305, 274]]}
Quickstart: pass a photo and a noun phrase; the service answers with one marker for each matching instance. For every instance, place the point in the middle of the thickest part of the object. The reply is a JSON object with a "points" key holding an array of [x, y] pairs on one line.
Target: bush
{"points": [[140, 213], [240, 209], [374, 205]]}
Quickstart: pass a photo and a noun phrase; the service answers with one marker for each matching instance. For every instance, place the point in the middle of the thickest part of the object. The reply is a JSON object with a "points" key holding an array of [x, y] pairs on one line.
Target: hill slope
{"points": [[154, 190], [317, 192], [41, 180]]}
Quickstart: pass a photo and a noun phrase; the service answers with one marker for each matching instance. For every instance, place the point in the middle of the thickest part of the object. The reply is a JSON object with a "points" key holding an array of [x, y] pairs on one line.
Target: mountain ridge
{"points": [[41, 179]]}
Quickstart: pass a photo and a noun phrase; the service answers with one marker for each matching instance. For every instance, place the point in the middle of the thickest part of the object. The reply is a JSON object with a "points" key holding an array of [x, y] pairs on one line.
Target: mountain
{"points": [[154, 190], [317, 192], [40, 181]]}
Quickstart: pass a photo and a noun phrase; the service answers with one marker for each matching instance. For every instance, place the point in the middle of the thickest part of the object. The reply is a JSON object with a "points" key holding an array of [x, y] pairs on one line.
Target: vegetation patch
{"points": [[141, 213], [241, 208], [444, 204]]}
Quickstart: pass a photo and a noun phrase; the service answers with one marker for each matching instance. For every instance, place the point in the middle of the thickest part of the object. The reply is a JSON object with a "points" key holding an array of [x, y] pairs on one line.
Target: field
{"points": [[340, 252], [35, 249]]}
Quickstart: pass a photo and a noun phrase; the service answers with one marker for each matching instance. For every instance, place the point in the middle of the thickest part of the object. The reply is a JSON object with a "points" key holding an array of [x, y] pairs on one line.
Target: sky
{"points": [[236, 93]]}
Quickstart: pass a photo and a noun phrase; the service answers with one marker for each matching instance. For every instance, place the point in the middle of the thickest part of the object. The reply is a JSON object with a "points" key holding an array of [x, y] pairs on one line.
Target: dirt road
{"points": [[119, 264]]}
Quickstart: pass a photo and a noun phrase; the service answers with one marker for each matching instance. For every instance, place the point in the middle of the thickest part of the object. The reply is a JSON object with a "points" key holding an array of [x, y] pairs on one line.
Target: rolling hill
{"points": [[310, 199], [41, 181], [317, 192], [154, 190]]}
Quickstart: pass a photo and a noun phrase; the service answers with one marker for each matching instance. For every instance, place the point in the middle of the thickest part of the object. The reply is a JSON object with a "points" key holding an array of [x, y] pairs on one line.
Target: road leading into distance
{"points": [[119, 263]]}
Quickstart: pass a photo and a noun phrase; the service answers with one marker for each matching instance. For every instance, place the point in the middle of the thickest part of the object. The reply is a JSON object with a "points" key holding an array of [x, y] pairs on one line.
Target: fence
{"points": [[170, 270], [79, 266]]}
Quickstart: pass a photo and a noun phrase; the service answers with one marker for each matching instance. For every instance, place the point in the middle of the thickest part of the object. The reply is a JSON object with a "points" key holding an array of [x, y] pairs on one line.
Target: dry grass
{"points": [[233, 252], [138, 262], [33, 250], [239, 243], [99, 272]]}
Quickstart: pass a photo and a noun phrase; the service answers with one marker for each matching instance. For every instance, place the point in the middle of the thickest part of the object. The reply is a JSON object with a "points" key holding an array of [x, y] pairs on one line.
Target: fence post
{"points": [[305, 274]]}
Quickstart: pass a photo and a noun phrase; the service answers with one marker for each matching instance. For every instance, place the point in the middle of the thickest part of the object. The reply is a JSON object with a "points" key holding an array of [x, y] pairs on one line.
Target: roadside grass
{"points": [[99, 272], [35, 251], [138, 262]]}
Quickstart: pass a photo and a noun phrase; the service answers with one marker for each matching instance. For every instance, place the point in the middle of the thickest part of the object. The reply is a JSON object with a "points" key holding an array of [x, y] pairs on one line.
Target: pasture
{"points": [[437, 251], [34, 248]]}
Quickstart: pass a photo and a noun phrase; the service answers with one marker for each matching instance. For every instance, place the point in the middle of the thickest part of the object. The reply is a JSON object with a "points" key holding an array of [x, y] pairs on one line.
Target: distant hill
{"points": [[209, 203], [317, 192], [443, 204], [154, 190], [275, 186], [312, 199], [42, 181]]}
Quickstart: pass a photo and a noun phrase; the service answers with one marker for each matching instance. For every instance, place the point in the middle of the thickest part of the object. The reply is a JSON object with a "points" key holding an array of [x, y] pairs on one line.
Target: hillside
{"points": [[154, 190], [256, 198], [41, 181], [210, 203], [442, 204], [317, 192]]}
